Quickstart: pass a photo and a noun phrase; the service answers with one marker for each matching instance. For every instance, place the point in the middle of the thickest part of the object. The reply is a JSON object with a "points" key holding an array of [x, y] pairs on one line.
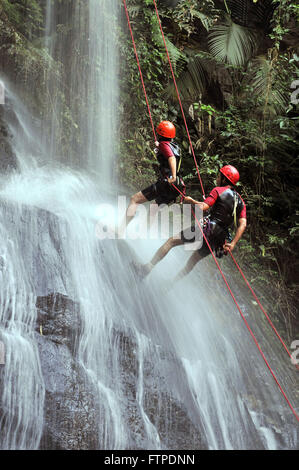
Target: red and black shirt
{"points": [[165, 151], [223, 200]]}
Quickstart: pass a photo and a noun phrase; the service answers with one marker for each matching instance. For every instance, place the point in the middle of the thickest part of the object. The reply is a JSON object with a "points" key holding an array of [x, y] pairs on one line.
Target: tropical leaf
{"points": [[192, 81], [231, 43], [265, 82], [207, 21], [177, 57], [134, 10], [251, 14]]}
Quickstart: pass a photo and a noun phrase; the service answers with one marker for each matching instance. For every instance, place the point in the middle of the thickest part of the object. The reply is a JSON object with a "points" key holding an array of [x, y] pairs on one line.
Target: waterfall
{"points": [[89, 81], [102, 86], [157, 364]]}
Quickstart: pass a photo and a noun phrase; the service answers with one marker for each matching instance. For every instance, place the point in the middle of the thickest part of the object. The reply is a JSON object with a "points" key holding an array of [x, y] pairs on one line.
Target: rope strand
{"points": [[261, 307], [178, 94], [198, 223], [242, 314], [140, 71], [179, 99]]}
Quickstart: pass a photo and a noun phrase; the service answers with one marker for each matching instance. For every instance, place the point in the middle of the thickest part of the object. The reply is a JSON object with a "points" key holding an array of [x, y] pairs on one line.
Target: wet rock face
{"points": [[176, 428], [70, 419], [58, 318], [8, 159], [72, 413], [70, 416], [164, 410]]}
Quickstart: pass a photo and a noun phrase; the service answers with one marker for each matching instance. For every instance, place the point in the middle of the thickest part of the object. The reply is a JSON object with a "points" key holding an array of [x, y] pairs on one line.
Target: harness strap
{"points": [[179, 164], [235, 208]]}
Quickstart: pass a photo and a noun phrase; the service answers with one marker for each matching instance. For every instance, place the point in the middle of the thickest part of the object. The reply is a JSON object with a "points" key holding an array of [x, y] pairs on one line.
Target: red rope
{"points": [[261, 307], [179, 98], [198, 223], [242, 315], [140, 71], [246, 323], [178, 94]]}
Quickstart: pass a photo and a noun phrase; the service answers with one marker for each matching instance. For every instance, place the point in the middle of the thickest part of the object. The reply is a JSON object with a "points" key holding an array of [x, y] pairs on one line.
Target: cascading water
{"points": [[146, 355], [89, 80]]}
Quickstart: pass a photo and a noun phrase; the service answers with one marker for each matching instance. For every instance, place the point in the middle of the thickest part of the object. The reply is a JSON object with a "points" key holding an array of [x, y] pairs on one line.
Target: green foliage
{"points": [[234, 70], [192, 81], [175, 54], [266, 77], [234, 62], [232, 43], [25, 15], [189, 11], [284, 12]]}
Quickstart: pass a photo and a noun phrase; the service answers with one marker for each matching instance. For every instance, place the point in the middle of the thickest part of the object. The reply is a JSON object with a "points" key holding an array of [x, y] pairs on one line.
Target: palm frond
{"points": [[266, 84], [231, 43], [192, 81], [207, 21], [251, 14]]}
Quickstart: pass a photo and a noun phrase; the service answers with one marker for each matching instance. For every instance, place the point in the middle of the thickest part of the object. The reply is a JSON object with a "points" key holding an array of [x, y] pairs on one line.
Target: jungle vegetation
{"points": [[237, 65], [237, 68]]}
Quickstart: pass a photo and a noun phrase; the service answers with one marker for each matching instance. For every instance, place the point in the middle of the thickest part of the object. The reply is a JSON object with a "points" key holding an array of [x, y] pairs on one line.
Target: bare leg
{"points": [[137, 199], [154, 208], [165, 249], [192, 261], [161, 253]]}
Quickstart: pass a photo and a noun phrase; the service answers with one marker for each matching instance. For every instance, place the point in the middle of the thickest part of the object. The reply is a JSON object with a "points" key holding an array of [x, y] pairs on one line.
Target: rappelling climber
{"points": [[169, 159], [226, 206]]}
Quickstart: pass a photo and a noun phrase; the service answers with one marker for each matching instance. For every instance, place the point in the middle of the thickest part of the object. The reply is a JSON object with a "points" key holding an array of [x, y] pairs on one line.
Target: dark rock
{"points": [[162, 405], [8, 159], [71, 417], [72, 411], [58, 318]]}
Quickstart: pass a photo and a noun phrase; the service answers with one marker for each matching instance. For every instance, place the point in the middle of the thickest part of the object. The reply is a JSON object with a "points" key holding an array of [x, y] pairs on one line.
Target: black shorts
{"points": [[193, 234], [161, 191]]}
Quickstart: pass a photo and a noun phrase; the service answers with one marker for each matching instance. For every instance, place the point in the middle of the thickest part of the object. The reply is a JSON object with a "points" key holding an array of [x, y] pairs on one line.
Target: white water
{"points": [[197, 322]]}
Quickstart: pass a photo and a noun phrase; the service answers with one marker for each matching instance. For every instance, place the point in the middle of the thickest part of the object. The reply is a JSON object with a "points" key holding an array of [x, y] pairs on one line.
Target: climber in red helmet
{"points": [[162, 191], [226, 206]]}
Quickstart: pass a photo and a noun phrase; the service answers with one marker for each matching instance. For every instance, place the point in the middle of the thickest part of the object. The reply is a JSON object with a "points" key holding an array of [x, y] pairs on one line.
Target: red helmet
{"points": [[231, 173], [166, 129]]}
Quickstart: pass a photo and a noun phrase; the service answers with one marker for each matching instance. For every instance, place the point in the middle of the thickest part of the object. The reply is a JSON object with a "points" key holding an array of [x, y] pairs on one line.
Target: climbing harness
{"points": [[194, 215], [234, 214], [179, 99], [164, 167]]}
